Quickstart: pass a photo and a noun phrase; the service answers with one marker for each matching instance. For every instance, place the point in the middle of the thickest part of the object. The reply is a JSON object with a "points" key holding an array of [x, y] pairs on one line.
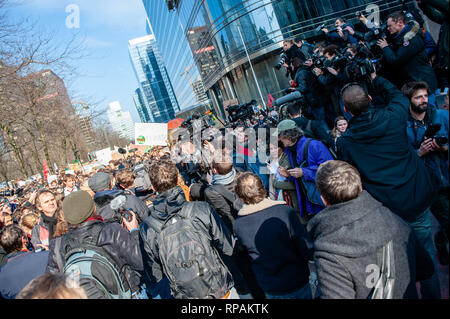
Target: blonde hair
{"points": [[29, 220], [52, 286], [338, 182]]}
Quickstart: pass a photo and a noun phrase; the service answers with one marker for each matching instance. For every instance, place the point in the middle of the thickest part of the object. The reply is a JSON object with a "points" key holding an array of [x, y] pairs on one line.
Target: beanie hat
{"points": [[284, 126], [77, 207], [99, 182]]}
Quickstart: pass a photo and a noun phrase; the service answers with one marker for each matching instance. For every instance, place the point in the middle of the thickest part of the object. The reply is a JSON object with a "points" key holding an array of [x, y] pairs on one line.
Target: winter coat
{"points": [[377, 145], [438, 11], [317, 154], [309, 87], [218, 202], [103, 199], [346, 239], [437, 161], [21, 268], [407, 57], [278, 245], [164, 206], [119, 244], [287, 185], [40, 234]]}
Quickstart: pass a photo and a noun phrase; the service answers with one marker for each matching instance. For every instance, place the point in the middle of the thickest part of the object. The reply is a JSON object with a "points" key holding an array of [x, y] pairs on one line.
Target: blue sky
{"points": [[106, 26]]}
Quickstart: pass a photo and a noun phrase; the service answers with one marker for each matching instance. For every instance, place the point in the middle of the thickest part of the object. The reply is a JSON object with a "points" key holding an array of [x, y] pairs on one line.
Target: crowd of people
{"points": [[329, 194]]}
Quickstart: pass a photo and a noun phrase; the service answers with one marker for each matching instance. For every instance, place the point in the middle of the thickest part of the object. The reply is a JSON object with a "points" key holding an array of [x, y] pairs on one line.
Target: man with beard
{"points": [[427, 130]]}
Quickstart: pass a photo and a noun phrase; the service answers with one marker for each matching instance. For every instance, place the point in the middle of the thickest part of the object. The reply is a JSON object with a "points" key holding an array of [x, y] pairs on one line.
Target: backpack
{"points": [[309, 188], [189, 261], [142, 180], [92, 268]]}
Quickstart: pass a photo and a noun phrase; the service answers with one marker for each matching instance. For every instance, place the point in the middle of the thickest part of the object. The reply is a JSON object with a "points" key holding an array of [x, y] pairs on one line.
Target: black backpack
{"points": [[189, 260], [92, 268]]}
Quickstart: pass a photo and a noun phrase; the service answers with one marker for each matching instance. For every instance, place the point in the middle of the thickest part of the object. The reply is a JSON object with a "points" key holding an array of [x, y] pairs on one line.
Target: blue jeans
{"points": [[429, 288], [302, 293]]}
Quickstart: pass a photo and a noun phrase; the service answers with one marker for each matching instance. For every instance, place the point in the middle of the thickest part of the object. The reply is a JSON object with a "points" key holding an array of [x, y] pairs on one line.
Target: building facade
{"points": [[220, 31], [155, 100], [121, 122], [181, 68]]}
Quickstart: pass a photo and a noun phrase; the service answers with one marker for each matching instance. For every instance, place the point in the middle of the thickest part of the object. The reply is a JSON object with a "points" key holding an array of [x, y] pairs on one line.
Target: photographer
{"points": [[291, 50], [332, 78], [406, 55], [343, 35], [428, 130]]}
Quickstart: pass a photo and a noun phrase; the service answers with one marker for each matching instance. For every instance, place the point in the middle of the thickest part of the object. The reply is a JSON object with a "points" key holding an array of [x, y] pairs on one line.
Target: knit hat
{"points": [[77, 207], [284, 126], [99, 182]]}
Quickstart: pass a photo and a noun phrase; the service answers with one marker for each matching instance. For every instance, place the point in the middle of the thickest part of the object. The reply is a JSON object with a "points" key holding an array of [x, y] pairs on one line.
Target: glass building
{"points": [[121, 122], [217, 30], [154, 99], [175, 50]]}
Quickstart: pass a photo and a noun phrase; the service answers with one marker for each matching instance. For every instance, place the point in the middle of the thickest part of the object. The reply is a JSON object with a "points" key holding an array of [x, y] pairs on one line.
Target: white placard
{"points": [[150, 134], [104, 156]]}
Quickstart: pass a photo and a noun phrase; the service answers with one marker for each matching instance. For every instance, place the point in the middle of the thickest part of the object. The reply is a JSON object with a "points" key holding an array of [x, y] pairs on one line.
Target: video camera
{"points": [[371, 38], [240, 112], [360, 67]]}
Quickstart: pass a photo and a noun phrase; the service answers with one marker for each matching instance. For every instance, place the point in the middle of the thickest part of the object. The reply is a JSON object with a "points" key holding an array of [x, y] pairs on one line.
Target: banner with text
{"points": [[151, 134]]}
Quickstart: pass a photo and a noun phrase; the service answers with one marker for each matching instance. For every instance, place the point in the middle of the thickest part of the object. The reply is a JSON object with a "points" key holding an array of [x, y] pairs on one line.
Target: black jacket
{"points": [[121, 245], [376, 143], [103, 199], [408, 61], [309, 86], [346, 239], [221, 205], [278, 245], [165, 205]]}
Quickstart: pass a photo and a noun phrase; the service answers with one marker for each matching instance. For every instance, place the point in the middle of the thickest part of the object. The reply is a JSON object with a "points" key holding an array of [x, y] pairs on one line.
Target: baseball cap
{"points": [[284, 126]]}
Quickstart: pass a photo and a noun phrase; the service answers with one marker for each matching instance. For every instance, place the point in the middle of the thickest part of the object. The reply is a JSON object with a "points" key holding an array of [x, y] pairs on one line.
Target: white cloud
{"points": [[92, 42]]}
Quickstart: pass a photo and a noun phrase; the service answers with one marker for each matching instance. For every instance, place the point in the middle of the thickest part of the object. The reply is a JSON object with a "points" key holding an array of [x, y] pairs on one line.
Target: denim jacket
{"points": [[415, 130]]}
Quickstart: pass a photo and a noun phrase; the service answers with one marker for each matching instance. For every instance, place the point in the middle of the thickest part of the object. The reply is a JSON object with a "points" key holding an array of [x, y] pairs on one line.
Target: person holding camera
{"points": [[407, 54], [117, 242], [331, 77], [428, 130], [377, 145], [342, 35]]}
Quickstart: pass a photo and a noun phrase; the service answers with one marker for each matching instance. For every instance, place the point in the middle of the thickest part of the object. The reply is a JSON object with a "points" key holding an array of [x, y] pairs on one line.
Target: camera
{"points": [[7, 193], [371, 38], [441, 140], [120, 211], [431, 133], [283, 60], [240, 112]]}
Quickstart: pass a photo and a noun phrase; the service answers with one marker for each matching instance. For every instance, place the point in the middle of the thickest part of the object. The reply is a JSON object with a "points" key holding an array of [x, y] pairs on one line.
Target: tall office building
{"points": [[155, 100], [121, 122], [219, 31], [176, 52]]}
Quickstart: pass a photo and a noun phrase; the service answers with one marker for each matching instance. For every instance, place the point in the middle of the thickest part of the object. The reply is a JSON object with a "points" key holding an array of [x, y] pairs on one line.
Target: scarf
{"points": [[224, 179], [50, 223]]}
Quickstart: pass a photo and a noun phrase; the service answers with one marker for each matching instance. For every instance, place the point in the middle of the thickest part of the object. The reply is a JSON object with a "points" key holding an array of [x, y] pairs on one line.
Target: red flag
{"points": [[270, 100], [46, 170]]}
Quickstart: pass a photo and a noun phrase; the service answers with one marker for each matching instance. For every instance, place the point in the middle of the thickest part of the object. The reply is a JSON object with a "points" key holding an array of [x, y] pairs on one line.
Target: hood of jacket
{"points": [[264, 204], [168, 203], [366, 128], [351, 229]]}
